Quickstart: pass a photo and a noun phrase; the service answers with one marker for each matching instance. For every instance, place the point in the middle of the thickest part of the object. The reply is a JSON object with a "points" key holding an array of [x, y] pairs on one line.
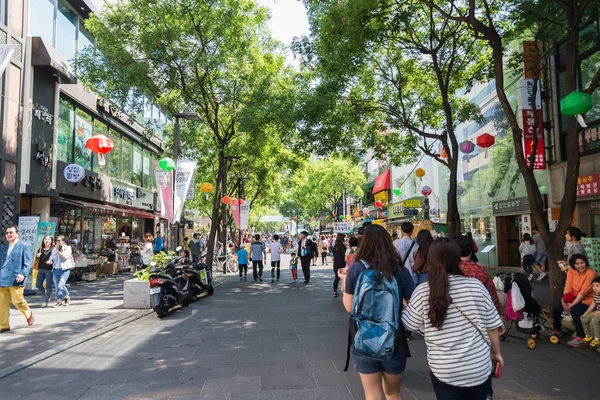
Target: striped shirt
{"points": [[456, 353], [597, 302]]}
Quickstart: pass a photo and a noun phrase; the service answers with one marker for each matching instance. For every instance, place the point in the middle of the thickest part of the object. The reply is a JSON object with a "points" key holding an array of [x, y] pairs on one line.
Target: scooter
{"points": [[204, 275], [169, 289]]}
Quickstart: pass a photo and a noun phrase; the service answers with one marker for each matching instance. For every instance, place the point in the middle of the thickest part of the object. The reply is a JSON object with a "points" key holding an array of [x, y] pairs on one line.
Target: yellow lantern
{"points": [[206, 188], [348, 218], [420, 172]]}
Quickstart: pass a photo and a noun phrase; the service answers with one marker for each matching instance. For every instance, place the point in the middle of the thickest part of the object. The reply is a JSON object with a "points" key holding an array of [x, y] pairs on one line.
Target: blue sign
{"points": [[411, 211]]}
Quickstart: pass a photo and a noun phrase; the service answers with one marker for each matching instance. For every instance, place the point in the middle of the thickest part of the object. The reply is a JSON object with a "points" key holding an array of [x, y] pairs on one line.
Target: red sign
{"points": [[426, 190], [588, 185], [528, 129], [382, 182]]}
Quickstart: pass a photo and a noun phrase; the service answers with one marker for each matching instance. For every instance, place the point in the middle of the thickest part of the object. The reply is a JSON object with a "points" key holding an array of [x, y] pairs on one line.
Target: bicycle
{"points": [[220, 262]]}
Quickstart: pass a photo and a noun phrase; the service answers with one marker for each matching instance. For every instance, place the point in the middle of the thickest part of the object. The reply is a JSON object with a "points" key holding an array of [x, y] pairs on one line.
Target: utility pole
{"points": [[225, 235]]}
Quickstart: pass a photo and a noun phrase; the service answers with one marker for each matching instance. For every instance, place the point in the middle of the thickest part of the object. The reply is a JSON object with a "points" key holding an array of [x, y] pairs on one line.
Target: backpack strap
{"points": [[408, 253], [350, 322]]}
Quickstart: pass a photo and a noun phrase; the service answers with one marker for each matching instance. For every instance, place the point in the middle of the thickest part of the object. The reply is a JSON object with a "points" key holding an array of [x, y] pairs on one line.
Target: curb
{"points": [[77, 341]]}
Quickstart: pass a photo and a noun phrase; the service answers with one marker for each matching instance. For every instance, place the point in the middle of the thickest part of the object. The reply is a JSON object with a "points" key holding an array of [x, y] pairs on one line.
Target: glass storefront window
{"points": [[66, 30], [68, 224], [137, 165], [589, 66], [66, 122], [87, 237], [41, 19], [147, 110], [109, 232], [85, 39], [83, 131], [152, 177], [146, 170], [101, 129], [127, 154], [115, 156]]}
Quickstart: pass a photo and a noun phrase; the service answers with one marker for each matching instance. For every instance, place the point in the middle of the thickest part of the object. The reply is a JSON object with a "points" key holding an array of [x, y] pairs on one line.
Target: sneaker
{"points": [[587, 339], [245, 279], [44, 305], [409, 336], [272, 280], [566, 315], [335, 294], [241, 279], [595, 344], [542, 276], [67, 300], [577, 342], [260, 279], [530, 277], [58, 303]]}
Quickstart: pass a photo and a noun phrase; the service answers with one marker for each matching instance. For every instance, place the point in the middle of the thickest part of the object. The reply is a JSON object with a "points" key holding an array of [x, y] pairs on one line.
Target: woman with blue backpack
{"points": [[375, 288]]}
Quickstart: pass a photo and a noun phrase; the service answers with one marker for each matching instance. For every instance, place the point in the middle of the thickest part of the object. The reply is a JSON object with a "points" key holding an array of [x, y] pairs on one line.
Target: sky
{"points": [[288, 19]]}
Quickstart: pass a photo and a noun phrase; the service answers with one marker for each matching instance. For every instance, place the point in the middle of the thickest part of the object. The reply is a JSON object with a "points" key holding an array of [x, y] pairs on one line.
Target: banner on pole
{"points": [[28, 227], [6, 52], [191, 193], [164, 183], [183, 177], [235, 211], [244, 213]]}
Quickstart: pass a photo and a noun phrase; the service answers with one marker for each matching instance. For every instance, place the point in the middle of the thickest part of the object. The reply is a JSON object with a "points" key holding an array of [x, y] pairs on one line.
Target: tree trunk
{"points": [[453, 217], [214, 227]]}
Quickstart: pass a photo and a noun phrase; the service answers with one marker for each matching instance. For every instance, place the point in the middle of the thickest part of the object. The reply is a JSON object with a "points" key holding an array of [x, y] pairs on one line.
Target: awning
{"points": [[139, 213], [104, 208], [382, 182], [45, 56]]}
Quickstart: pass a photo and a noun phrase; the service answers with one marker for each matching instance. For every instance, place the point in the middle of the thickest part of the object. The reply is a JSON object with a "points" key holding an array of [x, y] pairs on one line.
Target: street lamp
{"points": [[191, 116]]}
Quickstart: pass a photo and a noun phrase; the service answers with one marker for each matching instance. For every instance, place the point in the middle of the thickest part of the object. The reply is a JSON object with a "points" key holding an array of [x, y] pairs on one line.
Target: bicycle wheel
{"points": [[232, 266], [217, 266]]}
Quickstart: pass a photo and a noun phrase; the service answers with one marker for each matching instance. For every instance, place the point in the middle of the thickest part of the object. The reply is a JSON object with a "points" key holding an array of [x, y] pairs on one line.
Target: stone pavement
{"points": [[265, 341]]}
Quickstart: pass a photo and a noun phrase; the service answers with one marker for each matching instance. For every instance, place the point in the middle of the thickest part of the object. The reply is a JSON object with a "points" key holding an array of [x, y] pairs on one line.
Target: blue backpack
{"points": [[375, 323]]}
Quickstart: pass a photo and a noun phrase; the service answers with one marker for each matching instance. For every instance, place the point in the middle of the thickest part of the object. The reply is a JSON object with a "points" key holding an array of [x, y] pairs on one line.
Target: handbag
{"points": [[35, 264]]}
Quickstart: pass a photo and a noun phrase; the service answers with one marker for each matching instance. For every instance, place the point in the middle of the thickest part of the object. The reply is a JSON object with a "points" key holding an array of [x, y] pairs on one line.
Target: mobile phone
{"points": [[496, 370], [60, 247]]}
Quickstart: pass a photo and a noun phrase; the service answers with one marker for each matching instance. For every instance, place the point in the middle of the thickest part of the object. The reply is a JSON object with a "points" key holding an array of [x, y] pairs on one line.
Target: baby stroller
{"points": [[537, 319]]}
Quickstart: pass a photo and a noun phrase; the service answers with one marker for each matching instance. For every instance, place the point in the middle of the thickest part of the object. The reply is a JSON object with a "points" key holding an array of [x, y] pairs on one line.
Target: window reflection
{"points": [[66, 30], [41, 19]]}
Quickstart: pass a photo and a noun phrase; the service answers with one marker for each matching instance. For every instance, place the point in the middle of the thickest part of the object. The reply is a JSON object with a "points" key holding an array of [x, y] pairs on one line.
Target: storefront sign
{"points": [[183, 179], [382, 197], [426, 190], [342, 227], [411, 203], [74, 173], [411, 211], [129, 195], [587, 185], [589, 140], [382, 182], [528, 137], [42, 147], [531, 59], [508, 206], [395, 210], [527, 97]]}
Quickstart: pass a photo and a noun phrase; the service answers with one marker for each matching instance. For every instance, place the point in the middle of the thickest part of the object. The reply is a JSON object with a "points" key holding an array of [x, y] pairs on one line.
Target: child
{"points": [[243, 263], [294, 267], [527, 250], [591, 318]]}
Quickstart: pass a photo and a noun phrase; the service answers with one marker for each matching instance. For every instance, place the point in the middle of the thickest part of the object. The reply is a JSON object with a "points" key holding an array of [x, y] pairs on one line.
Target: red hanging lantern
{"points": [[100, 145], [444, 153], [226, 200], [378, 203], [295, 218], [240, 201], [334, 215], [486, 140]]}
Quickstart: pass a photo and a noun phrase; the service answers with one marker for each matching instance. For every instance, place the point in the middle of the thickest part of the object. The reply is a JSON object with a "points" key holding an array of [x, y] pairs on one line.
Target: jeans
{"points": [[443, 391], [576, 312], [323, 257], [60, 282], [244, 269], [421, 278], [44, 275], [305, 261], [257, 269], [275, 264]]}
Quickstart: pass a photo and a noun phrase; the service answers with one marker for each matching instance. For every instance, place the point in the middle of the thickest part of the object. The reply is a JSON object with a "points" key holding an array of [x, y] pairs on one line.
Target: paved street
{"points": [[261, 341]]}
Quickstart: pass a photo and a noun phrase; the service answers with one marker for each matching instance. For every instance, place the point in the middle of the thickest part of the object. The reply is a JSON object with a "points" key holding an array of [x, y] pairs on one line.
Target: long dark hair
{"points": [[443, 260], [377, 249], [527, 238], [424, 240], [576, 233]]}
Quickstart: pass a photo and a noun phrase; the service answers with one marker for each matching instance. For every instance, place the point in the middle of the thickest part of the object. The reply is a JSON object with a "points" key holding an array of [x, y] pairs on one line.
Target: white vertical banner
{"points": [[183, 177], [191, 193], [244, 213], [6, 52], [28, 227]]}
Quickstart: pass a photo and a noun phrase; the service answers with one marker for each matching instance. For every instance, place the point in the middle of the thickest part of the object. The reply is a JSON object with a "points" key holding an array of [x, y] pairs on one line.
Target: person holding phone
{"points": [[44, 255], [460, 324], [62, 263]]}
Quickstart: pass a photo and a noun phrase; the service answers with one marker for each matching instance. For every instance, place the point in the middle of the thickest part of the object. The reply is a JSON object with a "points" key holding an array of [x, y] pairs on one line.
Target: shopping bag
{"points": [[499, 283], [517, 300], [526, 322]]}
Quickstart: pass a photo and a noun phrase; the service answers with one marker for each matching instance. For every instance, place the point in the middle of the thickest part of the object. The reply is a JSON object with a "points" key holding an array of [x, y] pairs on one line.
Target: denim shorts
{"points": [[368, 365], [540, 257]]}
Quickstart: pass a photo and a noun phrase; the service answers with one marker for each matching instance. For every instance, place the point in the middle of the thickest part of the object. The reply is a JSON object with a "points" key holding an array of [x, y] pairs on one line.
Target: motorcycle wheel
{"points": [[161, 311], [186, 302], [210, 290]]}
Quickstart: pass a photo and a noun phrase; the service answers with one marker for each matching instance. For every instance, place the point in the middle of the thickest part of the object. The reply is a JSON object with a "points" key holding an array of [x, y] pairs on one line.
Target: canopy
{"points": [[273, 218], [382, 182]]}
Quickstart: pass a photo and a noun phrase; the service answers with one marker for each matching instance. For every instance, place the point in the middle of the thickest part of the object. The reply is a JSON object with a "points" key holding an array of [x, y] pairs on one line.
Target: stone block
{"points": [[136, 294]]}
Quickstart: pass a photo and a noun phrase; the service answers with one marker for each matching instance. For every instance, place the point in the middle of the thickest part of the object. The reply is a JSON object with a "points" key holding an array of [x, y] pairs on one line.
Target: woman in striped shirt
{"points": [[460, 324]]}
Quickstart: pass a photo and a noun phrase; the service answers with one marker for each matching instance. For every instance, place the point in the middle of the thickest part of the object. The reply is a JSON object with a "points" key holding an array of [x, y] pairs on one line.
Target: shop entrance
{"points": [[508, 237], [595, 223]]}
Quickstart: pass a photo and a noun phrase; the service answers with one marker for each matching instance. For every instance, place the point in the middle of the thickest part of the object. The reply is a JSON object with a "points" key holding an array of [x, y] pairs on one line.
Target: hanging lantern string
{"points": [[413, 170]]}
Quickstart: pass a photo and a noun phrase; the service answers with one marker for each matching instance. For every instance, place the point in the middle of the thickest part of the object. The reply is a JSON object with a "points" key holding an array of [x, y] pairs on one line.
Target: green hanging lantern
{"points": [[576, 103], [543, 190], [302, 218], [166, 164], [397, 191]]}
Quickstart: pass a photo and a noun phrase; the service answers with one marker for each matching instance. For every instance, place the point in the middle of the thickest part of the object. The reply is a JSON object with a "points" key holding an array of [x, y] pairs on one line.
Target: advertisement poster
{"points": [[528, 136], [28, 227], [164, 183], [587, 185], [235, 211], [183, 178]]}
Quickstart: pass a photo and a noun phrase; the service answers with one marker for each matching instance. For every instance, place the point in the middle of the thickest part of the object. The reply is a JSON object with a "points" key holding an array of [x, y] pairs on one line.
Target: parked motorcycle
{"points": [[169, 289], [202, 276]]}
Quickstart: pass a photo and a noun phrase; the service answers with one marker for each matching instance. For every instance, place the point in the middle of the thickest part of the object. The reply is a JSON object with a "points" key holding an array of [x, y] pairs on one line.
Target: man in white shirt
{"points": [[16, 259], [275, 249]]}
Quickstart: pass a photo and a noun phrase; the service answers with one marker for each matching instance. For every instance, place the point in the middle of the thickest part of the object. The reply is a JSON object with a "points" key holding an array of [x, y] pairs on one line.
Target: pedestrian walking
{"points": [[275, 249], [460, 326], [366, 296], [158, 243], [420, 268], [352, 247], [242, 256], [16, 259], [258, 253], [527, 250], [195, 247], [62, 263], [539, 259], [147, 251], [305, 249], [474, 248], [407, 247], [324, 249], [44, 268], [294, 267], [339, 261], [315, 251]]}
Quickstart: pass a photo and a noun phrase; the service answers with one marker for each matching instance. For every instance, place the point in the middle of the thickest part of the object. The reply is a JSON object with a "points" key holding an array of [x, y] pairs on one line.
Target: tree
{"points": [[493, 23], [212, 57], [403, 63]]}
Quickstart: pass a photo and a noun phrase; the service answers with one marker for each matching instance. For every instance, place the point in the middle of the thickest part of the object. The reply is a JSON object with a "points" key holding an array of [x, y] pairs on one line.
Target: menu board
{"points": [[592, 248]]}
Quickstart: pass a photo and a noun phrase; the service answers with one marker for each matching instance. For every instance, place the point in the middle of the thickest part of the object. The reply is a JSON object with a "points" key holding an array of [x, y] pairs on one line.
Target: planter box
{"points": [[136, 294]]}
